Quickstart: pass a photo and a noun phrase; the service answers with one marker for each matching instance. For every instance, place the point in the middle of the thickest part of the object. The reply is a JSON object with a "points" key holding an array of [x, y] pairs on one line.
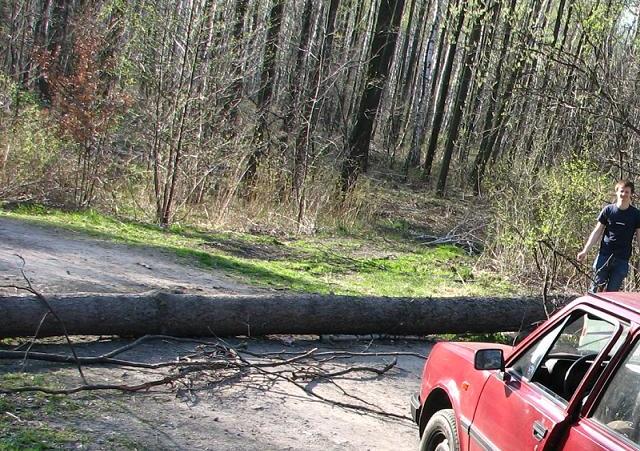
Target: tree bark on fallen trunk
{"points": [[160, 312]]}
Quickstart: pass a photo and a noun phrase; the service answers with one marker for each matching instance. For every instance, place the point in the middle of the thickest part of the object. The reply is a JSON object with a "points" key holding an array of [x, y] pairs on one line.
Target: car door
{"points": [[520, 408], [611, 420]]}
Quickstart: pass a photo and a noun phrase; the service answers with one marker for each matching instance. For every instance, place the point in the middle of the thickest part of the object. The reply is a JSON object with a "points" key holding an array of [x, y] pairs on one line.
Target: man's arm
{"points": [[595, 236], [638, 237]]}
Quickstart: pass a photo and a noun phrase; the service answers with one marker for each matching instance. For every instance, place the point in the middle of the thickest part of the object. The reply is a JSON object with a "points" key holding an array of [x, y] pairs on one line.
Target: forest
{"points": [[323, 188], [299, 113]]}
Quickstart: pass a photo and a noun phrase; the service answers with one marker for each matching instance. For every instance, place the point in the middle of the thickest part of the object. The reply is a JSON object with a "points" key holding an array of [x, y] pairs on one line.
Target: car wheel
{"points": [[441, 433]]}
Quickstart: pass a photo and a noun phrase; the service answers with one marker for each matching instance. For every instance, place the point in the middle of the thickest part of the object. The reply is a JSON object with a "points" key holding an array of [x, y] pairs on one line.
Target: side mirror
{"points": [[489, 359]]}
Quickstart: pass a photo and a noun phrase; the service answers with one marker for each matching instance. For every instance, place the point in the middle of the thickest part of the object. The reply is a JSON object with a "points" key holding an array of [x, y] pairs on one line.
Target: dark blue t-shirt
{"points": [[620, 225]]}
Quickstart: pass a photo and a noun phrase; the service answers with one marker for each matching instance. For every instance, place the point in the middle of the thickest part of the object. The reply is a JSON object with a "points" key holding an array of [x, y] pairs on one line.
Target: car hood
{"points": [[469, 349]]}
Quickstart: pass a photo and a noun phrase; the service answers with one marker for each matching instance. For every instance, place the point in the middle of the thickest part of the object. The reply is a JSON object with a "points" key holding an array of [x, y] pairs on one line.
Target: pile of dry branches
{"points": [[215, 362]]}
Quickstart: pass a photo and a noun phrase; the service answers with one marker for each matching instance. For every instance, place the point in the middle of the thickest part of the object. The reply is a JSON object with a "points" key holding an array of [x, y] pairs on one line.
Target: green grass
{"points": [[35, 437], [13, 380], [24, 417], [381, 264]]}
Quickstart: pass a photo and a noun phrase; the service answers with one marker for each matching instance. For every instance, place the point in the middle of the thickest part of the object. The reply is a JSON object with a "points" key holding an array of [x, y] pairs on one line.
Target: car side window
{"points": [[560, 359], [619, 407], [527, 364]]}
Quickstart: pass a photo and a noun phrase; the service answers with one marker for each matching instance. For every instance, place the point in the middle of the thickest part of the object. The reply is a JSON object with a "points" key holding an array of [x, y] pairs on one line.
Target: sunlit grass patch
{"points": [[27, 420], [35, 437]]}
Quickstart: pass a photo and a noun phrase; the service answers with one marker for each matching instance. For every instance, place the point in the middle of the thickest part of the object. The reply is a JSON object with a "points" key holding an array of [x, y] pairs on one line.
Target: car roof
{"points": [[629, 301]]}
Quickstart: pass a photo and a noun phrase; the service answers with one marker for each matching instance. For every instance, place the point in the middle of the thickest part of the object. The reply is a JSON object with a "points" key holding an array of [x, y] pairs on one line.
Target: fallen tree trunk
{"points": [[254, 315]]}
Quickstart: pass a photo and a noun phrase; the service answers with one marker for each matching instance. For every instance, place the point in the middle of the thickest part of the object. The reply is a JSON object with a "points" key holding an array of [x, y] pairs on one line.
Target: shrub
{"points": [[542, 219], [30, 151]]}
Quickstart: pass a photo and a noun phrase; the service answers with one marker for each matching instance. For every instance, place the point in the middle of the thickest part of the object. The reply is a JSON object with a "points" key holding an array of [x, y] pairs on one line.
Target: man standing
{"points": [[617, 223]]}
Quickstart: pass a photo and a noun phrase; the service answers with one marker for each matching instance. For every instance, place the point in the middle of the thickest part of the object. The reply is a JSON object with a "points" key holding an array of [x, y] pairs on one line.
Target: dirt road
{"points": [[250, 413], [60, 261]]}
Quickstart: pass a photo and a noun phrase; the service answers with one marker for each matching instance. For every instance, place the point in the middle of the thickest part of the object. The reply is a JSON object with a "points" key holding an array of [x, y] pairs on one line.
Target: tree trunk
{"points": [[398, 93], [443, 90], [423, 105], [478, 91], [382, 50], [51, 31], [413, 85], [477, 171], [330, 27], [310, 109], [266, 90], [461, 98], [297, 83], [235, 91], [176, 149], [253, 315]]}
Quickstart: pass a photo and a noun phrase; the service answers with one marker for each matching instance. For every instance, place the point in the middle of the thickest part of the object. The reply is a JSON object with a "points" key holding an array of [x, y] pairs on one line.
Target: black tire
{"points": [[441, 432]]}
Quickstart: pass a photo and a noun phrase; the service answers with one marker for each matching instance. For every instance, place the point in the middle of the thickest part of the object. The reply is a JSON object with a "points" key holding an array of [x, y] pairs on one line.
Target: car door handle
{"points": [[539, 431]]}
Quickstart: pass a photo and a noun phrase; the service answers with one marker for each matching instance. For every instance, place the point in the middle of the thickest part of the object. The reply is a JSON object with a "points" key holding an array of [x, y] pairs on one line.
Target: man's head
{"points": [[625, 183], [624, 190]]}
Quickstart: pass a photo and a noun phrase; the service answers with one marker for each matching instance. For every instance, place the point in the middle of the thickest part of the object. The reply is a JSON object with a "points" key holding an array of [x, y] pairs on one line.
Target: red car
{"points": [[573, 384]]}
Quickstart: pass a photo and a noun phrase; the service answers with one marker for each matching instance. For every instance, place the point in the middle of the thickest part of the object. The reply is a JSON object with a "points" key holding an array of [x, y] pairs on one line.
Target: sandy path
{"points": [[60, 261], [252, 414]]}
